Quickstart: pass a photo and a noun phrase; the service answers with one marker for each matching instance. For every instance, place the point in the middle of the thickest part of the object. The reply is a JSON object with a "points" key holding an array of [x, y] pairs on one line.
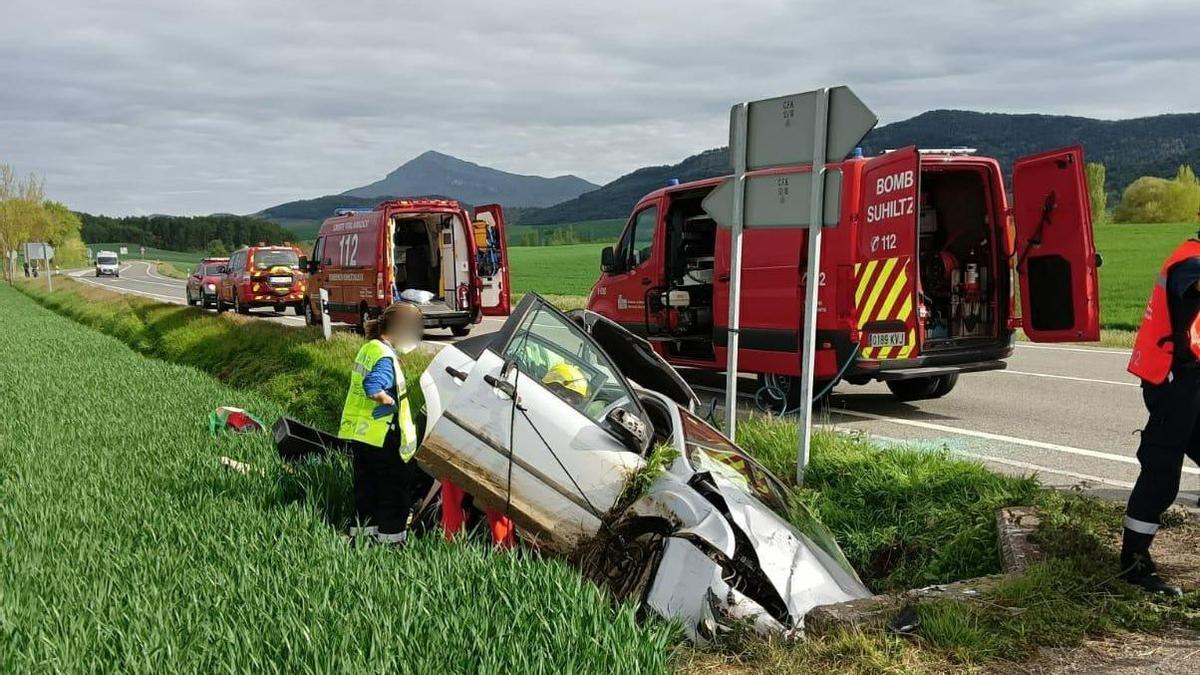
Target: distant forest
{"points": [[182, 233]]}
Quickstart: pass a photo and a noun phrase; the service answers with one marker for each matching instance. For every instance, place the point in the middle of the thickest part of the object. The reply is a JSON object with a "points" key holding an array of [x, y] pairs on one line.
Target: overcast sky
{"points": [[197, 106]]}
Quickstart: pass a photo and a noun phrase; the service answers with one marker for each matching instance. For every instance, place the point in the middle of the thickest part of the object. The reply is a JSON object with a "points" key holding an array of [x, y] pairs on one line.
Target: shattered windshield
{"points": [[708, 450], [276, 258]]}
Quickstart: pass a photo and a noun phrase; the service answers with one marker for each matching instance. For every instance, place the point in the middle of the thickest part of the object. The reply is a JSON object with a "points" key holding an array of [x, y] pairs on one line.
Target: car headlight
{"points": [[212, 288]]}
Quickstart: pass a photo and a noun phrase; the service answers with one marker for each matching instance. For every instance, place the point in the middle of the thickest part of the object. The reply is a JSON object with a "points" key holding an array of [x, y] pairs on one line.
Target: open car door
{"points": [[1056, 257], [491, 261]]}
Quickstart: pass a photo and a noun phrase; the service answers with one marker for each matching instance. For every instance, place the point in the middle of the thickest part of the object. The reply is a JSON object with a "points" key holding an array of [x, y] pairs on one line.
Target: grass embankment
{"points": [[123, 546], [904, 518], [168, 270]]}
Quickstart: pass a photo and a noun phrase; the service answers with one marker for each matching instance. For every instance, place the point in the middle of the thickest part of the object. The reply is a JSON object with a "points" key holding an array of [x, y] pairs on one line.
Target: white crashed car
{"points": [[704, 544]]}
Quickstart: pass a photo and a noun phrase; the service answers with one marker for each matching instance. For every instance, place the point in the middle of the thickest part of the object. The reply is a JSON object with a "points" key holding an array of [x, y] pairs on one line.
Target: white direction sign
{"points": [[780, 130], [775, 200]]}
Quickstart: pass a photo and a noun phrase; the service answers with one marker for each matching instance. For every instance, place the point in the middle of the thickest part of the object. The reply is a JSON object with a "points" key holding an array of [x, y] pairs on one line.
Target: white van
{"points": [[107, 263]]}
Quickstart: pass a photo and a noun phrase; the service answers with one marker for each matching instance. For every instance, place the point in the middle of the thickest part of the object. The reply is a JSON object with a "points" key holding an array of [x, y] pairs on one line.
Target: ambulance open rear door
{"points": [[491, 261], [1055, 254]]}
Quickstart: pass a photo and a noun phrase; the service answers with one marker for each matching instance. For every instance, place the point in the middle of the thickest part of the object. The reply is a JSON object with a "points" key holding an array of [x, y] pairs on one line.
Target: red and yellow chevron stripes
{"points": [[883, 292]]}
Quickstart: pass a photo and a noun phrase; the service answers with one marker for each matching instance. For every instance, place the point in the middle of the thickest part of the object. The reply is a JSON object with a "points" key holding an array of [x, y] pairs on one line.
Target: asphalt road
{"points": [[1071, 414], [141, 278]]}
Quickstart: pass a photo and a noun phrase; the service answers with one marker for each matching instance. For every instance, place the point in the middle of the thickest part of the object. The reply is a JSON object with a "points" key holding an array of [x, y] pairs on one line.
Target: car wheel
{"points": [[916, 389], [781, 393], [238, 306], [363, 318], [280, 309], [298, 308], [460, 331], [310, 317], [220, 305], [945, 384], [627, 560]]}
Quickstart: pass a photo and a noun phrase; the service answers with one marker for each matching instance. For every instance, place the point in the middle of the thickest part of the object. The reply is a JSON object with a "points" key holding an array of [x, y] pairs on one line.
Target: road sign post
{"points": [[737, 150], [811, 288], [803, 131]]}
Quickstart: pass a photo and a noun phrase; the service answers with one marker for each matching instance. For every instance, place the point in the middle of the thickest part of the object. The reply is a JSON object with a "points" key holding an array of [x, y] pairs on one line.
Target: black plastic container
{"points": [[296, 441]]}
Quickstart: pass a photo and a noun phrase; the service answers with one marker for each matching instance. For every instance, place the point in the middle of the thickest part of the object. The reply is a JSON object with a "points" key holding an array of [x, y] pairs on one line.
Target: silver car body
{"points": [[554, 463]]}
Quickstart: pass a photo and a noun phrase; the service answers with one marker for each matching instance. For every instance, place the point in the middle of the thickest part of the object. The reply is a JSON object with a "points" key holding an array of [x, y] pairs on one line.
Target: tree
{"points": [[1158, 200], [216, 248], [22, 217], [1097, 195]]}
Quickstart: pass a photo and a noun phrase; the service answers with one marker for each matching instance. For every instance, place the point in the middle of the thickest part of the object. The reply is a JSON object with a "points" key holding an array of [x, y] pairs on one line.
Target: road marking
{"points": [[1068, 377], [124, 289], [1001, 438], [1083, 350], [1014, 463]]}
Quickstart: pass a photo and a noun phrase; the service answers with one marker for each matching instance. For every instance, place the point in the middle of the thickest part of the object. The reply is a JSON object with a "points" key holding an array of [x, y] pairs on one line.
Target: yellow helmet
{"points": [[568, 377]]}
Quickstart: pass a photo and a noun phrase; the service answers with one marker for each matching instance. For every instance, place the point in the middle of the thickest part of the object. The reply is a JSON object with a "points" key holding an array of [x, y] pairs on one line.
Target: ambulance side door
{"points": [[1056, 256], [885, 269], [495, 294]]}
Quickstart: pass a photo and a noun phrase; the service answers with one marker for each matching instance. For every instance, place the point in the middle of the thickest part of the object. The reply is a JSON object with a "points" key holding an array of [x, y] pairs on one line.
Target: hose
{"points": [[775, 393]]}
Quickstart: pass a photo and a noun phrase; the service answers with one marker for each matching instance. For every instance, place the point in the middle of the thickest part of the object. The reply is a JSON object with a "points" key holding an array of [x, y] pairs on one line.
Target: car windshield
{"points": [[708, 450], [212, 269], [269, 258], [106, 260]]}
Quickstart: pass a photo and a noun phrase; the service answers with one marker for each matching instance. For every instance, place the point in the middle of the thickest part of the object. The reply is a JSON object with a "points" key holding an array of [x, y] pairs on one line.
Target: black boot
{"points": [[1140, 571]]}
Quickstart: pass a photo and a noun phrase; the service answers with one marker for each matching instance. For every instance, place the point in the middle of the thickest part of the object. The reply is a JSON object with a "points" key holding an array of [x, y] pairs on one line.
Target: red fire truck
{"points": [[918, 280], [427, 250]]}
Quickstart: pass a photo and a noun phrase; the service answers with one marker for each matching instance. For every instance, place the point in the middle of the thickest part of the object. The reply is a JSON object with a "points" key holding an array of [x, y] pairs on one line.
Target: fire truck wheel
{"points": [[280, 309], [238, 306], [923, 388], [363, 318], [781, 393], [310, 319], [460, 331], [298, 308]]}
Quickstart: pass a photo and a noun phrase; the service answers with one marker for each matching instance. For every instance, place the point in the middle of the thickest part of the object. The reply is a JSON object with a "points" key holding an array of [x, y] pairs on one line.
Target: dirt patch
{"points": [[1172, 653], [1176, 550]]}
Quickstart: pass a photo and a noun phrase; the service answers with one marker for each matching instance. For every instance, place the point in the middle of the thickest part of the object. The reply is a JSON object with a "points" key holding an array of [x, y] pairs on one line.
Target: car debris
{"points": [[549, 420]]}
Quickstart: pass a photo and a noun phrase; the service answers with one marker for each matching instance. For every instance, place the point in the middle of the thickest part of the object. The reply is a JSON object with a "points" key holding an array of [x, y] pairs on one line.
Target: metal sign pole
{"points": [[812, 283], [737, 224], [49, 270]]}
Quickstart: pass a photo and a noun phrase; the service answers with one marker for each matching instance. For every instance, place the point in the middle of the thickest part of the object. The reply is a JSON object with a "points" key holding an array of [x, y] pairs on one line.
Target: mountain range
{"points": [[1153, 146], [1146, 146]]}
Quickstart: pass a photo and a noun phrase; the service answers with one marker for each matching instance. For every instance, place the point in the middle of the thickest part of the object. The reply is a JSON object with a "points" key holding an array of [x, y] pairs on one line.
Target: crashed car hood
{"points": [[807, 569]]}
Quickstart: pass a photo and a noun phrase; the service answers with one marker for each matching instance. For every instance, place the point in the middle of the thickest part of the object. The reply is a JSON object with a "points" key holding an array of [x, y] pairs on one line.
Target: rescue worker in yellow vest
{"points": [[1166, 356], [377, 420]]}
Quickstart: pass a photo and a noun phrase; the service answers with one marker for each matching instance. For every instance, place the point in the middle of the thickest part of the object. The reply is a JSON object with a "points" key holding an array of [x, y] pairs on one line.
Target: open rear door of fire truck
{"points": [[885, 274], [491, 261], [1055, 254]]}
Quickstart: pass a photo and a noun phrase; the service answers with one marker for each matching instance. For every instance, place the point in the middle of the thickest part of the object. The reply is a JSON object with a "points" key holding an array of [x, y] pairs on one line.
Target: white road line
{"points": [[1082, 350], [1068, 377], [1014, 463], [1001, 438], [122, 289]]}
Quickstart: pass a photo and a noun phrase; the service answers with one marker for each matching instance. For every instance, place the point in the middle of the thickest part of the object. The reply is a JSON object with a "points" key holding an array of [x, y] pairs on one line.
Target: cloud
{"points": [[139, 106]]}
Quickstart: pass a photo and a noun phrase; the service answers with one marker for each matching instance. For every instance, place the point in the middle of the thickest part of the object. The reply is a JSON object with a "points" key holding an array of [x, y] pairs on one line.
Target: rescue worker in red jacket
{"points": [[1166, 356]]}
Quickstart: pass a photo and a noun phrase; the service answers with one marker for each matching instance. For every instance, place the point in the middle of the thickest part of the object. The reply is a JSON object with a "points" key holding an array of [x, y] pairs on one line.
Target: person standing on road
{"points": [[378, 423], [1166, 356]]}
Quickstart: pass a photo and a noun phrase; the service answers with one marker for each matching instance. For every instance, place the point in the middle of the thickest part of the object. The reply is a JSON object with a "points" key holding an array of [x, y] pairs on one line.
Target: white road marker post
{"points": [[812, 285], [738, 152], [49, 269]]}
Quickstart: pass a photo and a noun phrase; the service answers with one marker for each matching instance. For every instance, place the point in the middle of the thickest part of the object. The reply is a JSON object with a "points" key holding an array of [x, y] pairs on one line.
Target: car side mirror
{"points": [[303, 263], [608, 260], [629, 428]]}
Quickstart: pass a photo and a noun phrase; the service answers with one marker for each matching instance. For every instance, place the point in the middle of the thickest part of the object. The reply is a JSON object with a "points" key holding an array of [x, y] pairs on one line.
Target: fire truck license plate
{"points": [[887, 339], [281, 280]]}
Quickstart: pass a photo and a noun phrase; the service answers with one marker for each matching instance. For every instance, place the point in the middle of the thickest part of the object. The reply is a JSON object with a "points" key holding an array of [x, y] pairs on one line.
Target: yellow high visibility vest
{"points": [[359, 420]]}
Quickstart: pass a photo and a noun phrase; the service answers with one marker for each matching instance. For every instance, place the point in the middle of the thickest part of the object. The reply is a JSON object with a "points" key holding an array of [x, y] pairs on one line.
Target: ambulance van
{"points": [[919, 281], [452, 264]]}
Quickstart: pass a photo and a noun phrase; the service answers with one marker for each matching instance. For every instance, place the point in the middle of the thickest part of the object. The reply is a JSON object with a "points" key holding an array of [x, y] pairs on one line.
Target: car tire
{"points": [[923, 388], [363, 317], [220, 305], [238, 306], [627, 561], [460, 331], [310, 317], [781, 393], [279, 309], [190, 301], [298, 308]]}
